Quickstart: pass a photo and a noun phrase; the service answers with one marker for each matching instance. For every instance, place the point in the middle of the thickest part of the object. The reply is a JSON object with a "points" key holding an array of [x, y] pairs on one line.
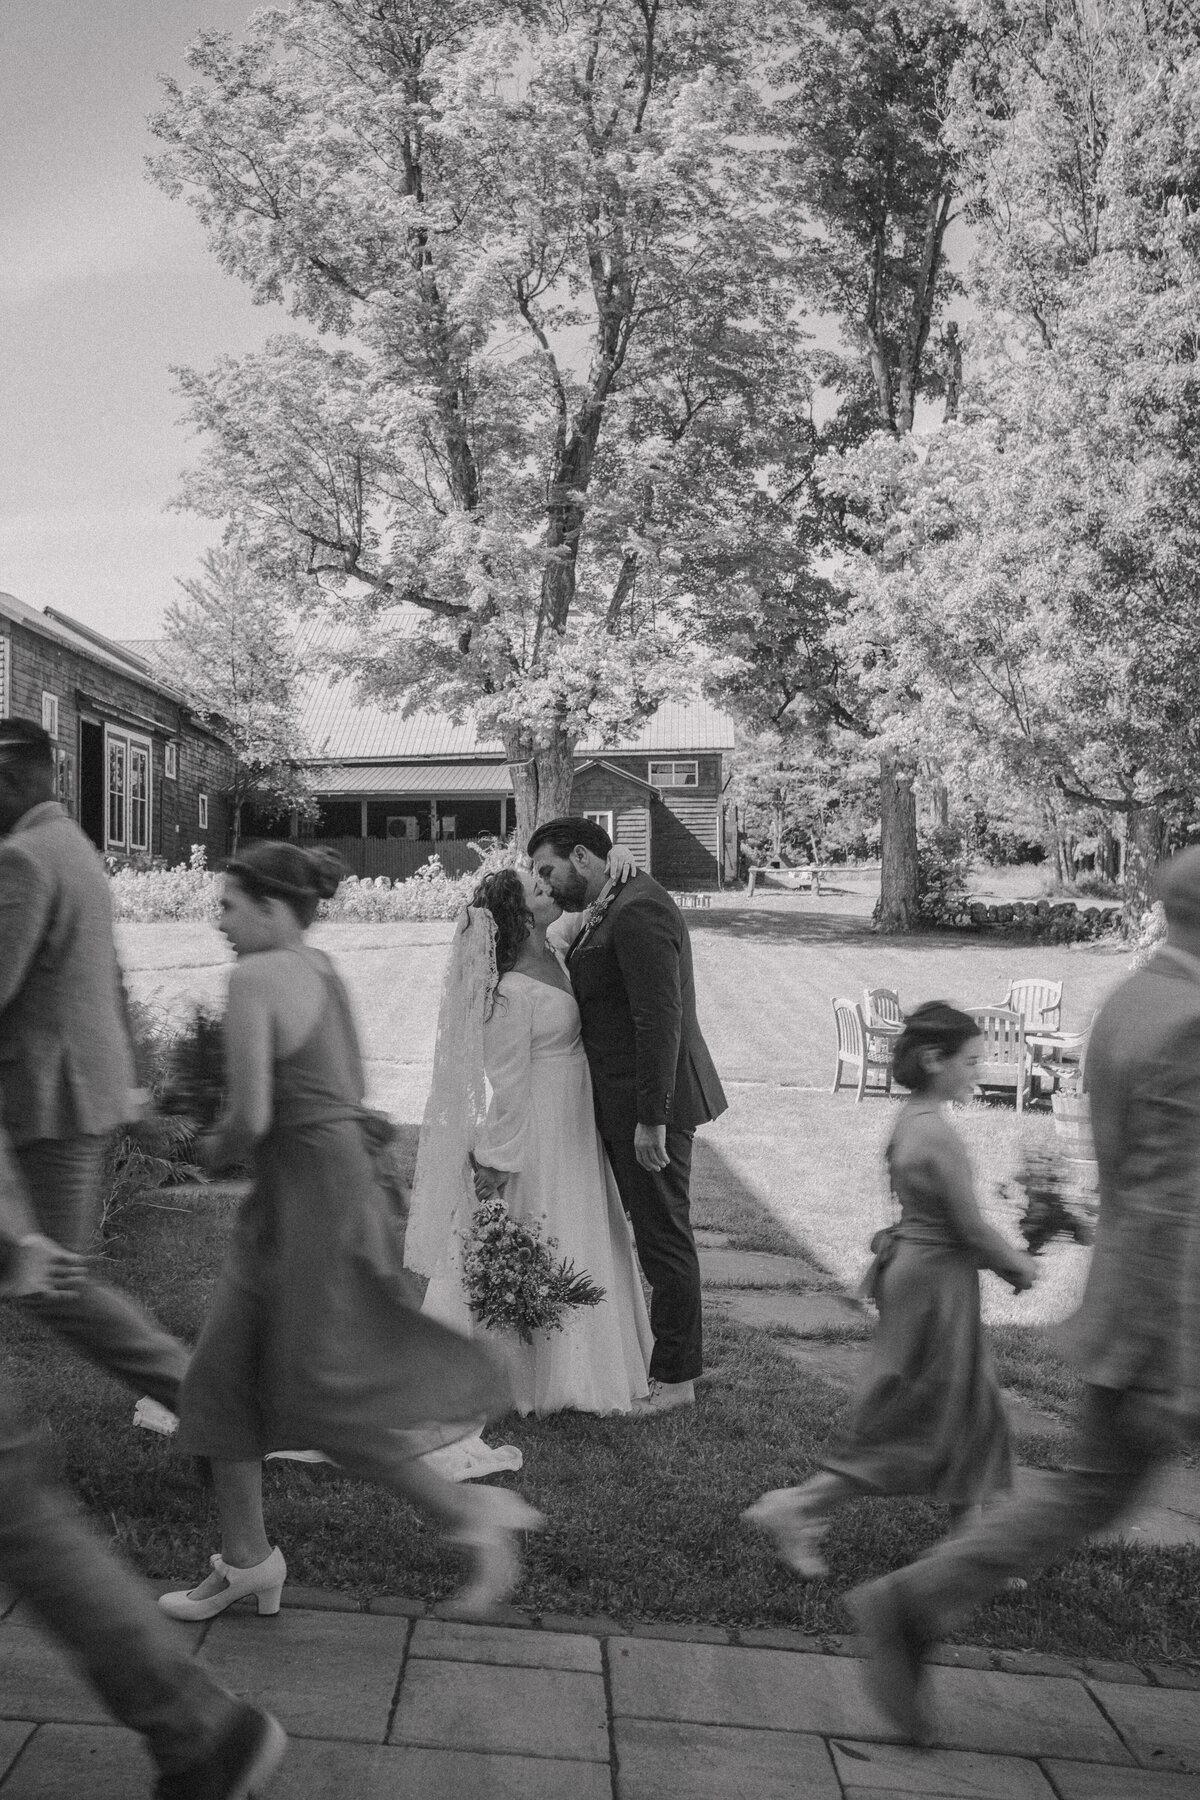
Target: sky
{"points": [[104, 284]]}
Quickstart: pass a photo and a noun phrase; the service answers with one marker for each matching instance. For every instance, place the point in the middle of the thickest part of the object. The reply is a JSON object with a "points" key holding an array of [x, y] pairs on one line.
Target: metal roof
{"points": [[414, 780], [338, 726], [127, 660]]}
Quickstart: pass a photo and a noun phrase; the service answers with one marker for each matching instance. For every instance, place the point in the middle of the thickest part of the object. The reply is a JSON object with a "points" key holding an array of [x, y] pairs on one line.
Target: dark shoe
{"points": [[894, 1646], [242, 1762]]}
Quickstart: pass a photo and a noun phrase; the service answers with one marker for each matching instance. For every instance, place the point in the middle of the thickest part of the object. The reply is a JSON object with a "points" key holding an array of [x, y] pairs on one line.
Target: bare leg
{"points": [[244, 1541], [484, 1521], [795, 1519]]}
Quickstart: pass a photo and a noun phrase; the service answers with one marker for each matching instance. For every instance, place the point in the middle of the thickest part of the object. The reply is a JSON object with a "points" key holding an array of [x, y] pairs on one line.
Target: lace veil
{"points": [[443, 1196]]}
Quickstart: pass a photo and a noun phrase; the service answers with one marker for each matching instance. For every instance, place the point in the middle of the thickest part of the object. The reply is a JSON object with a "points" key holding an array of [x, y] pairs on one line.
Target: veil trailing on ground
{"points": [[443, 1196]]}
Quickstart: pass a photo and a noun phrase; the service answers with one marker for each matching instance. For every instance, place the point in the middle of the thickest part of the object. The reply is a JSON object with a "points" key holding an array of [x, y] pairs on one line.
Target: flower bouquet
{"points": [[1053, 1207], [512, 1279]]}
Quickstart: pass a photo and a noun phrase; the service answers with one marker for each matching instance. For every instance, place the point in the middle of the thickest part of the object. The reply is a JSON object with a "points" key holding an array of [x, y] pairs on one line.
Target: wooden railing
{"points": [[400, 858]]}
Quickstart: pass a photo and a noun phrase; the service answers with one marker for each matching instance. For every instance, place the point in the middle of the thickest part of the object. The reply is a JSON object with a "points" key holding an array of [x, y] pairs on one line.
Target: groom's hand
{"points": [[650, 1147]]}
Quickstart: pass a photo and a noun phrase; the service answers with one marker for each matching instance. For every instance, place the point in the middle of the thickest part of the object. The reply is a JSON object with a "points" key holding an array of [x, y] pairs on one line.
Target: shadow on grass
{"points": [[721, 1200]]}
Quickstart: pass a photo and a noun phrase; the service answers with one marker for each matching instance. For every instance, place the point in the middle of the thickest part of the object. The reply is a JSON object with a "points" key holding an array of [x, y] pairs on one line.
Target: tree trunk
{"points": [[898, 888], [542, 778], [1106, 852], [1143, 850]]}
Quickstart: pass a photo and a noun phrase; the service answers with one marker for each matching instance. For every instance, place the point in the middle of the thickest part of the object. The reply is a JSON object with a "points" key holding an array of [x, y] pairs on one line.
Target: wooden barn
{"points": [[393, 790], [142, 775]]}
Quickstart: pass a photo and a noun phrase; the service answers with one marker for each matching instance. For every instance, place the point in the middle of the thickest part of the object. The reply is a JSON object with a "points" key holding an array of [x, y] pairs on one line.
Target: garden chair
{"points": [[881, 1006], [1004, 1060], [1038, 1002], [862, 1050]]}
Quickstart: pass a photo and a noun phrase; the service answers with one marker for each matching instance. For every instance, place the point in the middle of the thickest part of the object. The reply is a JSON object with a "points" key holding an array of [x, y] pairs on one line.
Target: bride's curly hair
{"points": [[501, 892]]}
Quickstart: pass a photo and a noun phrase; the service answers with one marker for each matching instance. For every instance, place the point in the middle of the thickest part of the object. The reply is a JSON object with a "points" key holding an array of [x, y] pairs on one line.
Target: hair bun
{"points": [[326, 872]]}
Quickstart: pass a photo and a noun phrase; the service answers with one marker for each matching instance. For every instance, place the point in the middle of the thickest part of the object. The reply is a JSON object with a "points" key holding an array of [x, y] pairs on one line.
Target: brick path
{"points": [[389, 1704]]}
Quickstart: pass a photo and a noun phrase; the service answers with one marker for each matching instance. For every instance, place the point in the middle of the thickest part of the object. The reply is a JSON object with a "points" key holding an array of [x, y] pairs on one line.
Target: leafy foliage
{"points": [[532, 243], [229, 647]]}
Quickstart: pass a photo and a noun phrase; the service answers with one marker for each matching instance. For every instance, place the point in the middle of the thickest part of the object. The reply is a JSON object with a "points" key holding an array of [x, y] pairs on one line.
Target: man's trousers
{"points": [[62, 1182]]}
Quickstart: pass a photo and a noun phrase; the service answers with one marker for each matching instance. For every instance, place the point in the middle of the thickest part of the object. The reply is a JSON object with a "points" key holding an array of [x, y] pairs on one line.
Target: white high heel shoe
{"points": [[496, 1560], [265, 1581]]}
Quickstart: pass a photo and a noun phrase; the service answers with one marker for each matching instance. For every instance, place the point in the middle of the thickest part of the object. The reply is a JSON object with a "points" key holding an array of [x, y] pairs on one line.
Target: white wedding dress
{"points": [[541, 1126]]}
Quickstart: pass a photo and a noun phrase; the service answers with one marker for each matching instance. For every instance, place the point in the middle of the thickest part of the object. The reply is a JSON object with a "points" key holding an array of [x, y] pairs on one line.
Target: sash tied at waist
{"points": [[885, 1243], [378, 1131]]}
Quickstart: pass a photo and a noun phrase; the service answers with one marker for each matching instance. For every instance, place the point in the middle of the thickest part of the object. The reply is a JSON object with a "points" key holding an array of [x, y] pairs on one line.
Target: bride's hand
{"points": [[489, 1181], [620, 864]]}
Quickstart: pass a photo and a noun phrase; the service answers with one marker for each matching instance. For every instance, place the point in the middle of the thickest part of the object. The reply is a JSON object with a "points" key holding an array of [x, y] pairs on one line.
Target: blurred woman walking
{"points": [[929, 1418], [315, 1336]]}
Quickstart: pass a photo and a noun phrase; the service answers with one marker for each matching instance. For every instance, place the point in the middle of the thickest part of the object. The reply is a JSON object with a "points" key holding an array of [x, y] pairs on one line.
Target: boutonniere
{"points": [[600, 905]]}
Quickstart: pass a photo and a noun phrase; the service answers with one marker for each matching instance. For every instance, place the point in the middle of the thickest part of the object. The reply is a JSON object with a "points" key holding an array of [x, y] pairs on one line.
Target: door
{"points": [[91, 781]]}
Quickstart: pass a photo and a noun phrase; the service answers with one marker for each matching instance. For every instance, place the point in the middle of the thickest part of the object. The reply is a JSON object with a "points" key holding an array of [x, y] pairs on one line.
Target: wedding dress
{"points": [[540, 1125]]}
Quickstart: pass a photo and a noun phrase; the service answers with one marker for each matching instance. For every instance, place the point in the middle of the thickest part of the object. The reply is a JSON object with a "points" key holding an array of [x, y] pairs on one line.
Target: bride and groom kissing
{"points": [[570, 988]]}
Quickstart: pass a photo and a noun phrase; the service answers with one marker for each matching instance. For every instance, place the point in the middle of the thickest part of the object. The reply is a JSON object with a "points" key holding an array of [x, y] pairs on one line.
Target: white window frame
{"points": [[667, 772], [171, 762], [138, 803], [50, 714], [5, 671], [604, 820], [127, 744], [202, 811]]}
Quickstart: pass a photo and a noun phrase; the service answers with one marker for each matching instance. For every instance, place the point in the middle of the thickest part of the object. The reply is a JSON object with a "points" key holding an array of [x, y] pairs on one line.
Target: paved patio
{"points": [[391, 1704]]}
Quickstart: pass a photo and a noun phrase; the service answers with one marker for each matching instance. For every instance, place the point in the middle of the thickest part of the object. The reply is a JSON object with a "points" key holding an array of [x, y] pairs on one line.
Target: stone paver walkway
{"points": [[394, 1705], [786, 1294]]}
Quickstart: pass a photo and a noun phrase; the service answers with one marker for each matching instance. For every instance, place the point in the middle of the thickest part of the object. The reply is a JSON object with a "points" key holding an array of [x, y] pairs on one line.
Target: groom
{"points": [[631, 968]]}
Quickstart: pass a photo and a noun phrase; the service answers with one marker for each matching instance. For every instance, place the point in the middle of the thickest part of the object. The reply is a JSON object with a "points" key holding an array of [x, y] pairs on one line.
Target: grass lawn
{"points": [[643, 1519]]}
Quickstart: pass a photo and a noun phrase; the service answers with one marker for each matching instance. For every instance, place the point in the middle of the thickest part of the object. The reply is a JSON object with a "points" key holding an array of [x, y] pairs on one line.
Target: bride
{"points": [[508, 1013]]}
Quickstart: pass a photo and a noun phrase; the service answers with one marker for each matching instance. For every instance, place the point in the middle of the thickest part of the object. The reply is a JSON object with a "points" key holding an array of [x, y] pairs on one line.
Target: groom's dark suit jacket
{"points": [[632, 976]]}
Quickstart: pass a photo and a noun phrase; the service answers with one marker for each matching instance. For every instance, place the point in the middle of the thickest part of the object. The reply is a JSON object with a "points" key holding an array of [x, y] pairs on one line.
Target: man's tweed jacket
{"points": [[66, 1064], [1138, 1326]]}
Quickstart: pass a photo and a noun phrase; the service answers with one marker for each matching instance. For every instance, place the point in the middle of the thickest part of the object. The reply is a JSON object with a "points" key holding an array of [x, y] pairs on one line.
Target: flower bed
{"points": [[192, 891]]}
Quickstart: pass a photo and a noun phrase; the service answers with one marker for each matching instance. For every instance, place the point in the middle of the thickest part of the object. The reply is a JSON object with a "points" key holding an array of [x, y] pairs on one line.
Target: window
{"points": [[171, 762], [118, 765], [448, 825], [603, 819], [203, 812], [3, 678], [64, 778], [129, 798], [139, 796], [675, 774], [50, 714]]}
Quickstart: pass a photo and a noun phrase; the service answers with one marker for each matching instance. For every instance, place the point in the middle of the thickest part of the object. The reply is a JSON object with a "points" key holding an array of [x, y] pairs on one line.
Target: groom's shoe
{"points": [[664, 1397]]}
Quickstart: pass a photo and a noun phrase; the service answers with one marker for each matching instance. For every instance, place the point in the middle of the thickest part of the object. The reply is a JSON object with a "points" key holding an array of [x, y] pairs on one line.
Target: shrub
{"points": [[941, 875], [192, 891], [158, 1151]]}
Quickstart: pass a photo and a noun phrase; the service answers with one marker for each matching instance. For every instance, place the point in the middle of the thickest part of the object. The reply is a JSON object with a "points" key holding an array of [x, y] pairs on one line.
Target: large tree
{"points": [[1040, 570], [527, 240], [229, 647], [866, 196]]}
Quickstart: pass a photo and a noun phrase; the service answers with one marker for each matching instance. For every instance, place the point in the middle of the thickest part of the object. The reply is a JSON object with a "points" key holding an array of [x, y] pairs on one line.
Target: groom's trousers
{"points": [[659, 1208], [62, 1182]]}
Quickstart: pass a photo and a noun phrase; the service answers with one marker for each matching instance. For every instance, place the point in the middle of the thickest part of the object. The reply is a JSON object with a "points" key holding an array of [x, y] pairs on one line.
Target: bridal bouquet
{"points": [[512, 1279], [1052, 1209]]}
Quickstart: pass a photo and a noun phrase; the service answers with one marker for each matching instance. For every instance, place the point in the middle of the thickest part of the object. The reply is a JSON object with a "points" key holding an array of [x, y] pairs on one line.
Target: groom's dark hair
{"points": [[562, 835]]}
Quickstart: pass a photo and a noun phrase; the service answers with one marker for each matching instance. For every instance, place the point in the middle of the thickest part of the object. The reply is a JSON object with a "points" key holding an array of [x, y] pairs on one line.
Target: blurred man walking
{"points": [[1136, 1337], [66, 1062]]}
